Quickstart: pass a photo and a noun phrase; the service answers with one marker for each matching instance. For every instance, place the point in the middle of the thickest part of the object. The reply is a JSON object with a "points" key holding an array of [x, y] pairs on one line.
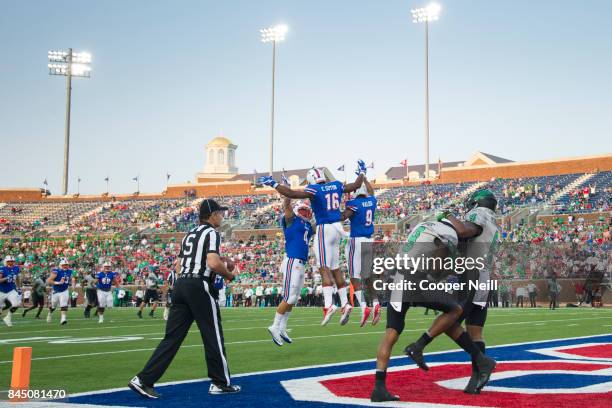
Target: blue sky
{"points": [[520, 79]]}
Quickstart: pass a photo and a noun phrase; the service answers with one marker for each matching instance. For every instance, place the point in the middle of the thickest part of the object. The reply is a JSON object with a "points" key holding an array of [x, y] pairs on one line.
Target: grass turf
{"points": [[84, 355]]}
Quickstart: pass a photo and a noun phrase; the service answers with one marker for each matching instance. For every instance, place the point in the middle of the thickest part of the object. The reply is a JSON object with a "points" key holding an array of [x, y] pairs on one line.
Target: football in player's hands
{"points": [[229, 263]]}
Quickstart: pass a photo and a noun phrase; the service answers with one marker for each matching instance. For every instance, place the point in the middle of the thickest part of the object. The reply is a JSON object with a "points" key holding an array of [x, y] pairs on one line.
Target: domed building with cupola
{"points": [[220, 161]]}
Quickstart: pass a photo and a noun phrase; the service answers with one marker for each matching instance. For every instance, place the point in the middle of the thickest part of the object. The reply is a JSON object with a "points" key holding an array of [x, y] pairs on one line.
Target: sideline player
{"points": [[39, 290], [60, 278], [91, 296], [431, 240], [482, 234], [151, 294], [9, 282], [325, 198], [298, 231], [170, 279], [360, 211], [104, 282]]}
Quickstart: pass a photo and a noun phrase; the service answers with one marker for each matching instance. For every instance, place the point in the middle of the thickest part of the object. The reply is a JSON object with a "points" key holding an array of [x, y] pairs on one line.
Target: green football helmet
{"points": [[481, 198]]}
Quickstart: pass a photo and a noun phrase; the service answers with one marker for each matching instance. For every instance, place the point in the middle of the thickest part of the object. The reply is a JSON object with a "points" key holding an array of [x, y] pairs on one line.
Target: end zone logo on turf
{"points": [[556, 373]]}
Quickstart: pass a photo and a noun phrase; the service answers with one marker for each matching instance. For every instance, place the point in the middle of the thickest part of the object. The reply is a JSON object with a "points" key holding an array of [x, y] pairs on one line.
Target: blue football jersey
{"points": [[326, 200], [297, 236], [10, 273], [362, 221], [59, 275], [105, 280]]}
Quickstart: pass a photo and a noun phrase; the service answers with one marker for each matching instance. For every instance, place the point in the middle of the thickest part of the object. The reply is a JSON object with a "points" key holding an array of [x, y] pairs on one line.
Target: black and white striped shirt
{"points": [[199, 242]]}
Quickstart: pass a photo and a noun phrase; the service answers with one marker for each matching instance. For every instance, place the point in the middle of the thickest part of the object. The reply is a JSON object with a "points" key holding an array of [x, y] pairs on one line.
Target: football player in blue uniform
{"points": [[60, 278], [9, 282], [298, 231], [360, 211], [105, 279], [325, 198]]}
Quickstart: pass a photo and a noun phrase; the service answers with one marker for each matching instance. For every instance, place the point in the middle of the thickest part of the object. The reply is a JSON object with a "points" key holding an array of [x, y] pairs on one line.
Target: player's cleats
{"points": [[285, 337], [346, 313], [376, 317], [381, 394], [63, 322], [139, 314], [223, 389], [8, 320], [416, 355], [364, 316], [275, 333], [471, 387], [151, 313], [328, 313], [86, 314], [485, 368], [101, 319], [48, 317], [138, 387], [166, 313]]}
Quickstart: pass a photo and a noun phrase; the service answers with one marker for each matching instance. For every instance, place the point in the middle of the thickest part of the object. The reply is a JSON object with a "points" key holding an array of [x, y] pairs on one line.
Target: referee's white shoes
{"points": [[223, 389], [138, 387], [276, 335]]}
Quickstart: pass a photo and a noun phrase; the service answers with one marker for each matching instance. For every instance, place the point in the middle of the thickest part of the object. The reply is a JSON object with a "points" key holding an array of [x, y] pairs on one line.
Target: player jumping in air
{"points": [[431, 240], [325, 198], [9, 282], [60, 279], [298, 231], [104, 282], [360, 211]]}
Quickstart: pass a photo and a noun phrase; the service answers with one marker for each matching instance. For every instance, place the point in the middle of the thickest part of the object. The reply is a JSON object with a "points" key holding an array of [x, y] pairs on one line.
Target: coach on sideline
{"points": [[195, 297]]}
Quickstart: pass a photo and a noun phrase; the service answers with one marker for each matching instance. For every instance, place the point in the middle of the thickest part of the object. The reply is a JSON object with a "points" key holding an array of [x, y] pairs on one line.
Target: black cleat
{"points": [[143, 390], [381, 394], [223, 389], [485, 369], [416, 355], [471, 387], [139, 314], [151, 313]]}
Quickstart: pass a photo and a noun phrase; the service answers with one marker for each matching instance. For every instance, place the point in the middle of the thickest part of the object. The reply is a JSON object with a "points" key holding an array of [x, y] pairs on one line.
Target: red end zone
{"points": [[417, 386], [598, 351]]}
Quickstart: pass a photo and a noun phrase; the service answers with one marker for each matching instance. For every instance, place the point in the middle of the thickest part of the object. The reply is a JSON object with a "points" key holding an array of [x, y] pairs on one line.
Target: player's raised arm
{"points": [[369, 186], [287, 210], [284, 190], [361, 172]]}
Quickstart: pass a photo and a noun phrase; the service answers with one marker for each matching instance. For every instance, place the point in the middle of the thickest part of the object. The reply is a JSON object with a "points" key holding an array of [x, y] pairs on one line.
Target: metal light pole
{"points": [[425, 15], [69, 64], [273, 35]]}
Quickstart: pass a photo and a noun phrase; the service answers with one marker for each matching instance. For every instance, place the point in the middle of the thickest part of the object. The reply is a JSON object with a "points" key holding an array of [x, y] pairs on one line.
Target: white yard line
{"points": [[295, 338]]}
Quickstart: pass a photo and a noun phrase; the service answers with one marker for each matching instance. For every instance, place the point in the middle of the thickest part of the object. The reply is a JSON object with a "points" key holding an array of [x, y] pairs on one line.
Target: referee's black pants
{"points": [[191, 300]]}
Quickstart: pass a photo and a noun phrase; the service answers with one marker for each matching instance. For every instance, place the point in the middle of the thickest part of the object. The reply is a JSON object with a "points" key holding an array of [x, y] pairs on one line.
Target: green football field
{"points": [[84, 355]]}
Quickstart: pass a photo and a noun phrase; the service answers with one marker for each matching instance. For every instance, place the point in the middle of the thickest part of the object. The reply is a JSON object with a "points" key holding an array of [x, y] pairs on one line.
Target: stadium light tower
{"points": [[273, 34], [69, 64], [425, 15]]}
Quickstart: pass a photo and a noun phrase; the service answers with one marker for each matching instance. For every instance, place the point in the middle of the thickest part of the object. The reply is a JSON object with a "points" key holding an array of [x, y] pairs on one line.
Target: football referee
{"points": [[195, 297]]}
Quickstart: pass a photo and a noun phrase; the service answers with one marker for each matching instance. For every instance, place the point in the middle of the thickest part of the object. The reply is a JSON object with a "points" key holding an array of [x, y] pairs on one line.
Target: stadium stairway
{"points": [[571, 187]]}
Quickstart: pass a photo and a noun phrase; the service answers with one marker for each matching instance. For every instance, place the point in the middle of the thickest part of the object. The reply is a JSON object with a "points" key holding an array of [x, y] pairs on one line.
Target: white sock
{"points": [[100, 318], [63, 315], [327, 296], [10, 314], [374, 302], [278, 318], [284, 320], [343, 296], [360, 299]]}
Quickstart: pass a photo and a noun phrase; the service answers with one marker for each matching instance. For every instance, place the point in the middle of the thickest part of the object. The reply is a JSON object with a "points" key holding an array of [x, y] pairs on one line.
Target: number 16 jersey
{"points": [[325, 201]]}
